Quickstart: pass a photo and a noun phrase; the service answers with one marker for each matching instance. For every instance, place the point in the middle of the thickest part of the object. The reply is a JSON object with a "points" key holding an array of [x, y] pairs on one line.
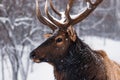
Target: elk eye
{"points": [[59, 40]]}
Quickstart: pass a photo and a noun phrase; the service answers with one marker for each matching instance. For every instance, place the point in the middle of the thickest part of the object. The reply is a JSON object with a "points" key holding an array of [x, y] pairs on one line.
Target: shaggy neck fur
{"points": [[81, 63]]}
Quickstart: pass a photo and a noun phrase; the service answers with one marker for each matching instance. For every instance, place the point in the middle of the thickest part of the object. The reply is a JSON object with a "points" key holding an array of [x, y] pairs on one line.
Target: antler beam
{"points": [[53, 23], [90, 7], [44, 20], [51, 18]]}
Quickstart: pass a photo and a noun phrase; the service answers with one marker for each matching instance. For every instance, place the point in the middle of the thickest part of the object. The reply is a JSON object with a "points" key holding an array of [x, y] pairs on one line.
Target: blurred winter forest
{"points": [[21, 32]]}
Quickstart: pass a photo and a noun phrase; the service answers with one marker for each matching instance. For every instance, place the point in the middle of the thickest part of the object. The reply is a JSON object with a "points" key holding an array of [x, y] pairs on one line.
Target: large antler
{"points": [[90, 7], [66, 18], [43, 19]]}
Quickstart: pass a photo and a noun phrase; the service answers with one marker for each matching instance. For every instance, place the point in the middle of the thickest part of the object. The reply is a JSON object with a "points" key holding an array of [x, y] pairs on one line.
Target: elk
{"points": [[71, 58]]}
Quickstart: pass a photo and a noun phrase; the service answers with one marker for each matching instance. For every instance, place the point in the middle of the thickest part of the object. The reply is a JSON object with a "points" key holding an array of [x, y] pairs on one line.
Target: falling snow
{"points": [[21, 32]]}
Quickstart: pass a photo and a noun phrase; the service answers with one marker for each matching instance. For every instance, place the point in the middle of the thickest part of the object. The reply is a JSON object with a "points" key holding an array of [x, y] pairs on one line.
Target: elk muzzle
{"points": [[34, 57], [37, 58]]}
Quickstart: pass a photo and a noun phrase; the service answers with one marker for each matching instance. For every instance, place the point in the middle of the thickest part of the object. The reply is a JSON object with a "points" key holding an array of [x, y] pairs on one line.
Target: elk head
{"points": [[56, 47]]}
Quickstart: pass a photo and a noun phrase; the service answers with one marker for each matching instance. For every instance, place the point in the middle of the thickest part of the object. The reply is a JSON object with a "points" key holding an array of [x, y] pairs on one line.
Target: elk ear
{"points": [[47, 35], [71, 33]]}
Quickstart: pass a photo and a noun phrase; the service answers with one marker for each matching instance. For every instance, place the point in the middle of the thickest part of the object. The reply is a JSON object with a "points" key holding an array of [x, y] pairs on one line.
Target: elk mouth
{"points": [[36, 60]]}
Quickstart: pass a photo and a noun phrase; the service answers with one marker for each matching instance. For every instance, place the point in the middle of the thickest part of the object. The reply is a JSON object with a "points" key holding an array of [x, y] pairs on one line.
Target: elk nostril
{"points": [[32, 56]]}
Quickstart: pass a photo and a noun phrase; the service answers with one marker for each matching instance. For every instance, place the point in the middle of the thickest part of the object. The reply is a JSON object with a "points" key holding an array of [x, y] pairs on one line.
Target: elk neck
{"points": [[80, 63]]}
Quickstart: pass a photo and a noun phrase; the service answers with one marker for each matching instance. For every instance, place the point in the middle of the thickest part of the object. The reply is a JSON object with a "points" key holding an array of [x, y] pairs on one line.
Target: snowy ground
{"points": [[44, 71], [111, 47]]}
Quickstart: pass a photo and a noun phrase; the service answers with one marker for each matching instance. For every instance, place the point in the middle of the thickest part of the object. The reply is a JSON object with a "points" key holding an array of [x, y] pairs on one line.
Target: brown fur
{"points": [[71, 58], [112, 68], [68, 65], [47, 35]]}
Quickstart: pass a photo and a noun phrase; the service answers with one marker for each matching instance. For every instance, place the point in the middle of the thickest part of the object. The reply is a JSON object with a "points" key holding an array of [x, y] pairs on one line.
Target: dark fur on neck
{"points": [[81, 63]]}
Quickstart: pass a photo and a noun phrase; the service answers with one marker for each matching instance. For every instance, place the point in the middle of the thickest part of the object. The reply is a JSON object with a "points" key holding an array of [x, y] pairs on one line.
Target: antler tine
{"points": [[51, 18], [69, 5], [42, 19], [90, 7], [53, 8]]}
